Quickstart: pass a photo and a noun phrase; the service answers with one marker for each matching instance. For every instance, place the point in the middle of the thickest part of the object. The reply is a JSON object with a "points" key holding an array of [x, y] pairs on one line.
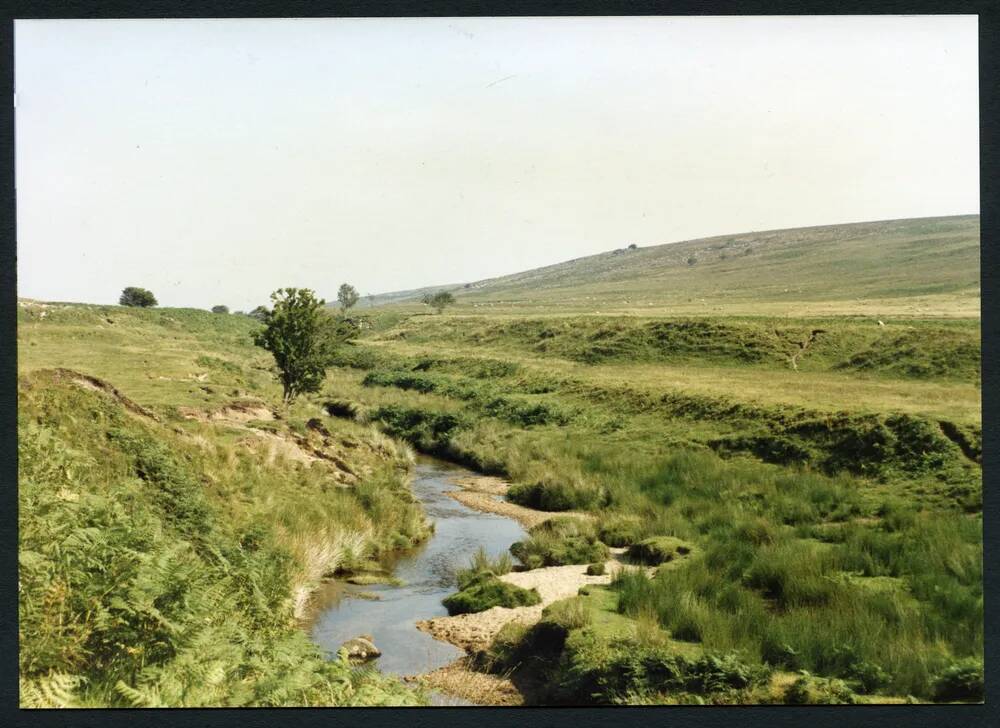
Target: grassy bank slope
{"points": [[174, 522]]}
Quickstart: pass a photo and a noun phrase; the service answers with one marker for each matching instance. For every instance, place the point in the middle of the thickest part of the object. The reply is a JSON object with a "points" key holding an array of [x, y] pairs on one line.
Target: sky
{"points": [[214, 161]]}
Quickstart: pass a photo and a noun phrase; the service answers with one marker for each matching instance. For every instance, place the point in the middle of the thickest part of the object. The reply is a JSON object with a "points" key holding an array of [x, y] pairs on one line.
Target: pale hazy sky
{"points": [[214, 161]]}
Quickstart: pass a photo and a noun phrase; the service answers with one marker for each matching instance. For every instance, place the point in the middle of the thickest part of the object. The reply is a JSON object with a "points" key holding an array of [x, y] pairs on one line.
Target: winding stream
{"points": [[427, 574]]}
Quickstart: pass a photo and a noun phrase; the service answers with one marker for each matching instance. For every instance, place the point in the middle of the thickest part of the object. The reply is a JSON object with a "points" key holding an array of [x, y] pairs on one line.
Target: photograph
{"points": [[527, 361]]}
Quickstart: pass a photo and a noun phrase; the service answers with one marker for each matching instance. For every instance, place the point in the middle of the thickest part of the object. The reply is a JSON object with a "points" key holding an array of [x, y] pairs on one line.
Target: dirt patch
{"points": [[459, 680]]}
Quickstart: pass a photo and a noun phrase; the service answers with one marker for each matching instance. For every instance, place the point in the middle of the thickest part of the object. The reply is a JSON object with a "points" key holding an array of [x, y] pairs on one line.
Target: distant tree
{"points": [[633, 246], [259, 313], [347, 296], [692, 260], [135, 296], [220, 309], [302, 337], [439, 300]]}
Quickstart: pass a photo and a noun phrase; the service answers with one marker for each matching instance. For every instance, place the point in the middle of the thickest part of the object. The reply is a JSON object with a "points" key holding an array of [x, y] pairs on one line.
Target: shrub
{"points": [[658, 550], [485, 591], [220, 309], [135, 296], [596, 569], [962, 680]]}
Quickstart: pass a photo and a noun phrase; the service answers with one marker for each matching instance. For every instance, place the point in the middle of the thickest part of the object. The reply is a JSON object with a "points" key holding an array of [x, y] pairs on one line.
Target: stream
{"points": [[427, 573]]}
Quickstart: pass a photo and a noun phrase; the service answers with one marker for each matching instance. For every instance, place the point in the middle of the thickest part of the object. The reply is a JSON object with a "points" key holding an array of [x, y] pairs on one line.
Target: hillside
{"points": [[925, 266]]}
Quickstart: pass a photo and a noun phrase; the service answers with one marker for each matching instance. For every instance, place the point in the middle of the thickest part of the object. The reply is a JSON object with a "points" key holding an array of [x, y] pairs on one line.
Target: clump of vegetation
{"points": [[559, 541], [960, 681], [810, 690], [220, 309], [617, 529], [548, 493], [426, 430], [135, 296], [484, 591], [658, 550], [596, 569], [481, 589]]}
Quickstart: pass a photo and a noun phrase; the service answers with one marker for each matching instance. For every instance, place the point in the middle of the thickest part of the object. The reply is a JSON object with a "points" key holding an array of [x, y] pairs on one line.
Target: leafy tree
{"points": [[220, 309], [633, 246], [347, 296], [302, 337], [439, 300], [135, 296], [259, 313]]}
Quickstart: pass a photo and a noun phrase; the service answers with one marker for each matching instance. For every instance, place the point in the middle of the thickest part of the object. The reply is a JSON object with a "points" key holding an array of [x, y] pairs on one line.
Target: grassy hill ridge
{"points": [[932, 261]]}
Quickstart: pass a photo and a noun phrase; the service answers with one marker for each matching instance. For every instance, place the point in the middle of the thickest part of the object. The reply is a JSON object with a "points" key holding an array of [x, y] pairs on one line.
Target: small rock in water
{"points": [[362, 648]]}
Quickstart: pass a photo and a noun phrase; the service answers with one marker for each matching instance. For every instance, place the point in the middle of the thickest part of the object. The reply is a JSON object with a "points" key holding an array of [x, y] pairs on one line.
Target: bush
{"points": [[485, 591], [658, 550], [596, 569], [960, 681], [220, 309], [560, 541], [135, 296]]}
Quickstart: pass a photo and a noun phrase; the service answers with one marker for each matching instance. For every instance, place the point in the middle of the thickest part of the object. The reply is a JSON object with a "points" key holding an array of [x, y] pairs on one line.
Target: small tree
{"points": [[347, 296], [259, 313], [633, 246], [135, 296], [439, 300], [302, 337], [220, 309]]}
